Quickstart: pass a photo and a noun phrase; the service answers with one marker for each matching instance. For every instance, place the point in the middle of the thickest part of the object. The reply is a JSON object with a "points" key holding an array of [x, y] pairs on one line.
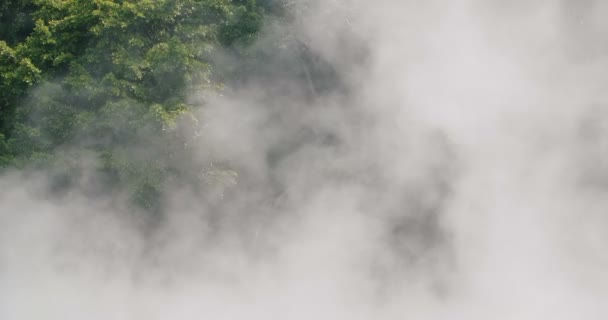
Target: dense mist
{"points": [[394, 160]]}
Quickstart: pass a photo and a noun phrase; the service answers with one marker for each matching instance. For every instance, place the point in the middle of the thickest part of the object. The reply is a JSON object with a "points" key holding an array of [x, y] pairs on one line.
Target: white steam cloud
{"points": [[459, 172]]}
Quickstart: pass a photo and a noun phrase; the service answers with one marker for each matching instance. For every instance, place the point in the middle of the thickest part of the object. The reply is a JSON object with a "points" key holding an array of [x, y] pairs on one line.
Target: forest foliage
{"points": [[110, 82]]}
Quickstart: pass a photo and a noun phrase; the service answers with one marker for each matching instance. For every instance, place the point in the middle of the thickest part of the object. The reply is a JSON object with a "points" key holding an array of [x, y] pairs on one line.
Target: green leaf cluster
{"points": [[111, 79]]}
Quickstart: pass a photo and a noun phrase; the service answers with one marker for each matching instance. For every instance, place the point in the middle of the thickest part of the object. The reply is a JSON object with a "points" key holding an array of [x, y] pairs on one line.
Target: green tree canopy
{"points": [[110, 79]]}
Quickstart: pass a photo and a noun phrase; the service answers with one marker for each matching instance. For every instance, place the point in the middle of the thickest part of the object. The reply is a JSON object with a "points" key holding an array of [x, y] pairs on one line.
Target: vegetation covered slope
{"points": [[109, 81]]}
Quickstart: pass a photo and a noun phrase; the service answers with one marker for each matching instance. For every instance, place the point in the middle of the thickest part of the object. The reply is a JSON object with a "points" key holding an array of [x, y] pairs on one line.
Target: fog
{"points": [[453, 169]]}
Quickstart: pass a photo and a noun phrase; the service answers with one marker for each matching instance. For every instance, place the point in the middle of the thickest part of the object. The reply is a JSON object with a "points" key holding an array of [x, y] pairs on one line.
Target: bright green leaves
{"points": [[61, 34], [110, 79], [152, 51], [17, 74], [16, 70]]}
